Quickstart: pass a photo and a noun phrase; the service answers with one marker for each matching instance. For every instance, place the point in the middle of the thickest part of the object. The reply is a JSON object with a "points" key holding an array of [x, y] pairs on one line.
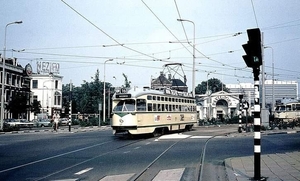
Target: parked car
{"points": [[20, 123], [63, 121], [10, 122], [42, 122]]}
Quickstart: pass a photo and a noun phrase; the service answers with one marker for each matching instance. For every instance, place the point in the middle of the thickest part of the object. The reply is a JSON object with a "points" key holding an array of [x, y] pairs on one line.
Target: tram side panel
{"points": [[143, 123]]}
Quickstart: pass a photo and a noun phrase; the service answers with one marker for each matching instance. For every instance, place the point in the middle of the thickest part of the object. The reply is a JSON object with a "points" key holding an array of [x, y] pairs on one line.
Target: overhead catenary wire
{"points": [[120, 44]]}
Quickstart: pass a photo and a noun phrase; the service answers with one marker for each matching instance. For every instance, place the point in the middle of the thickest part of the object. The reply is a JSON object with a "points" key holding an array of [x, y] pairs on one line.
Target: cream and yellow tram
{"points": [[287, 113], [141, 111]]}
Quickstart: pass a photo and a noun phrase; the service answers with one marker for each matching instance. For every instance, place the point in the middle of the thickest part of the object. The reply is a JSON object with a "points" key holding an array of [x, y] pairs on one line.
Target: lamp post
{"points": [[3, 74], [273, 97], [104, 89], [43, 102], [208, 94], [193, 71]]}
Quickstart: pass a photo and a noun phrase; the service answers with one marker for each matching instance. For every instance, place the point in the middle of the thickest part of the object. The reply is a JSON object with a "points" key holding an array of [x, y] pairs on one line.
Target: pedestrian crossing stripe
{"points": [[122, 177]]}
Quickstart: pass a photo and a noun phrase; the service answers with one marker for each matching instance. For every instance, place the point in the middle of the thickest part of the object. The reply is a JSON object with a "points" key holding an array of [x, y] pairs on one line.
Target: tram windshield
{"points": [[280, 108], [125, 105]]}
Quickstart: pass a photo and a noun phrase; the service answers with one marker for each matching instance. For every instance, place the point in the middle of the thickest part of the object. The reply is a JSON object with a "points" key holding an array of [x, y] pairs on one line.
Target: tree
{"points": [[36, 107], [126, 82], [18, 104], [214, 85]]}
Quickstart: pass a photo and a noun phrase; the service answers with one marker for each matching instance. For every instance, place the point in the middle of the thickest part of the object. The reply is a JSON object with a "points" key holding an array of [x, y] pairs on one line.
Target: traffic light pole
{"points": [[257, 134], [253, 59]]}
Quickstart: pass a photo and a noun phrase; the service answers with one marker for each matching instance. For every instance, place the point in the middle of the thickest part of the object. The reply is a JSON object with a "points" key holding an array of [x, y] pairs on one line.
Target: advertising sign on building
{"points": [[47, 67]]}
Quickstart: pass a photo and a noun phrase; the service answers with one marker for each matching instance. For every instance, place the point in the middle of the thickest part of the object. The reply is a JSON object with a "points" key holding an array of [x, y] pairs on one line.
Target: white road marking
{"points": [[137, 147], [49, 158], [83, 171], [123, 177], [169, 175], [174, 136], [202, 137], [126, 152]]}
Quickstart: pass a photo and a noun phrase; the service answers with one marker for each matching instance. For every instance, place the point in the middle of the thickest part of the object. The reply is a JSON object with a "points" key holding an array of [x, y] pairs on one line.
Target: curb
{"points": [[63, 130]]}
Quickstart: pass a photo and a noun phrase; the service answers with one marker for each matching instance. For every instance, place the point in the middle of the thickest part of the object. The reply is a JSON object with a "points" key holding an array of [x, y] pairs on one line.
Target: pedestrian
{"points": [[55, 119]]}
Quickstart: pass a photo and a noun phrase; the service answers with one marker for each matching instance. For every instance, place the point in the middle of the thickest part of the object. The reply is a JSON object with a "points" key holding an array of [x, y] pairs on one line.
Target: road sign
{"points": [[246, 105]]}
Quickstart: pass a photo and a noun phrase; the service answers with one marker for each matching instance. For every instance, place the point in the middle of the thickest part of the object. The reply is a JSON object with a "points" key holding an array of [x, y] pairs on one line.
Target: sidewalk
{"points": [[274, 167], [64, 129]]}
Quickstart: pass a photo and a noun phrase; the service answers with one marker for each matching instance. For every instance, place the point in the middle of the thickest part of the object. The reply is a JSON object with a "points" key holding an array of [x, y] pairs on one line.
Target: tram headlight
{"points": [[121, 121]]}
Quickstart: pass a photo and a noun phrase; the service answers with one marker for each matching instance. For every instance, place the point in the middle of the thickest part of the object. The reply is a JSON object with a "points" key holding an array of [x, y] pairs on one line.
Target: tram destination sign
{"points": [[123, 96]]}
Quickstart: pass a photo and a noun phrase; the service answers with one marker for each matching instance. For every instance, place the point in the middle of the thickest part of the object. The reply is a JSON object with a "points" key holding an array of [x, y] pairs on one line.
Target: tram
{"points": [[147, 111], [288, 113]]}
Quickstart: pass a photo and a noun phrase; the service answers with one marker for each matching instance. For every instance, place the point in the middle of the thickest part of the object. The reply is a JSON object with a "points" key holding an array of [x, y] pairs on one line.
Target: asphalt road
{"points": [[98, 155]]}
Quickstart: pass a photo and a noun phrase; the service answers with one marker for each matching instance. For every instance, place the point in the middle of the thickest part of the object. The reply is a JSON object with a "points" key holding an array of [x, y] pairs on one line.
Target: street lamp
{"points": [[273, 98], [3, 74], [104, 89], [208, 94], [193, 71]]}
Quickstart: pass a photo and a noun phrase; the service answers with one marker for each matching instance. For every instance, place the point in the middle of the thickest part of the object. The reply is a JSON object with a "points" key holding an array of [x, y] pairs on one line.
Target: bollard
{"points": [[69, 123], [240, 113]]}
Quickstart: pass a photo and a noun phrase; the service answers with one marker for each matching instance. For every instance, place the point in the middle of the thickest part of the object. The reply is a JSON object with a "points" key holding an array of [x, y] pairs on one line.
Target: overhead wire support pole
{"points": [[193, 71], [3, 75]]}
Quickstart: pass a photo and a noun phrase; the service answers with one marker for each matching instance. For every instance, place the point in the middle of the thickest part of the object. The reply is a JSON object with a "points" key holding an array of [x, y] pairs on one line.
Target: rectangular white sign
{"points": [[47, 67]]}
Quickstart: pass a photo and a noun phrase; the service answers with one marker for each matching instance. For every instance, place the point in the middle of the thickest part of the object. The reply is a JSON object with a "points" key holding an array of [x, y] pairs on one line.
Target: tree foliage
{"points": [[126, 82], [214, 85], [18, 104]]}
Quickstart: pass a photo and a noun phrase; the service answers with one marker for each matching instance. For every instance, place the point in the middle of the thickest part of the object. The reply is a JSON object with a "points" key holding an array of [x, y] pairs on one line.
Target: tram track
{"points": [[139, 176], [198, 174]]}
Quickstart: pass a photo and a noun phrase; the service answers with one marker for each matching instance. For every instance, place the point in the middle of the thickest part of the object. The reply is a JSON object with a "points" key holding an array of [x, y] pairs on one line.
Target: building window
{"points": [[56, 84], [34, 84], [35, 98], [57, 99]]}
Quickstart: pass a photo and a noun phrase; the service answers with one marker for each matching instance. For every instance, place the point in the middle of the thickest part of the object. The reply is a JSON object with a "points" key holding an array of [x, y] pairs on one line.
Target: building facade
{"points": [[273, 92], [219, 105], [47, 89], [17, 82]]}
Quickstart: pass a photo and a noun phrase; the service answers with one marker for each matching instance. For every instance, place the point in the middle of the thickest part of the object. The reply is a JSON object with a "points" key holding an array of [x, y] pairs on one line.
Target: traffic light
{"points": [[253, 57]]}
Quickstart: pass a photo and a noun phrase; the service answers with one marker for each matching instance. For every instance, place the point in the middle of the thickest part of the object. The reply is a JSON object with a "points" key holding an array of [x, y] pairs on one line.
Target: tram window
{"points": [[149, 107], [163, 107], [173, 99], [288, 107], [180, 108], [170, 107], [159, 107], [141, 105], [125, 105], [170, 99], [149, 97], [158, 98], [166, 107], [297, 106], [154, 97], [162, 99], [282, 108], [154, 107], [176, 108]]}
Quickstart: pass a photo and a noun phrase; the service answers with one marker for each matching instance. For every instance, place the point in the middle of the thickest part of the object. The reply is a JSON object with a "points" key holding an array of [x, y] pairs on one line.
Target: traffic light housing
{"points": [[253, 57]]}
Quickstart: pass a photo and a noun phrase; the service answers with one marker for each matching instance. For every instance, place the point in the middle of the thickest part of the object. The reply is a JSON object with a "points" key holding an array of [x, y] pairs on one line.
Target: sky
{"points": [[82, 35]]}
